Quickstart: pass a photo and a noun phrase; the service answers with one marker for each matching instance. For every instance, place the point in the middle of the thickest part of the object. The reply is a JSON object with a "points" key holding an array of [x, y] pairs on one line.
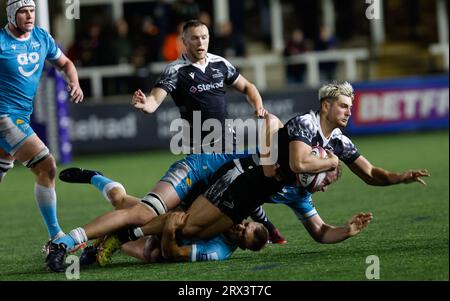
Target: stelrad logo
{"points": [[202, 87]]}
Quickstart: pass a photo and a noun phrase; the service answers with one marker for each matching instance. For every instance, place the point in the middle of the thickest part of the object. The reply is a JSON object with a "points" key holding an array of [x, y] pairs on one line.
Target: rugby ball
{"points": [[310, 181]]}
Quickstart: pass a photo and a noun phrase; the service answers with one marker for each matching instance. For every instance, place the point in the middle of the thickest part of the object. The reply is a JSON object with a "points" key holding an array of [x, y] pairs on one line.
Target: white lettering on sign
{"points": [[402, 105]]}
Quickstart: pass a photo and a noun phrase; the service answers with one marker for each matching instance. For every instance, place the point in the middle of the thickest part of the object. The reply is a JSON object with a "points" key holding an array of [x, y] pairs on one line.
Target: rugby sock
{"points": [[46, 200], [131, 234], [104, 184], [259, 215], [75, 237]]}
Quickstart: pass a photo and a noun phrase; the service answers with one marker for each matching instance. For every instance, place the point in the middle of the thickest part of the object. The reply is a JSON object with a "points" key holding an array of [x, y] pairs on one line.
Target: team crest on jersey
{"points": [[217, 73], [35, 45], [192, 74]]}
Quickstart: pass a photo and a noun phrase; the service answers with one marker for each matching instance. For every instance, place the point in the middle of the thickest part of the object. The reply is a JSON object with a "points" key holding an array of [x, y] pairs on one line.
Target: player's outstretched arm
{"points": [[148, 104], [327, 234], [67, 66], [377, 176], [169, 246], [252, 93]]}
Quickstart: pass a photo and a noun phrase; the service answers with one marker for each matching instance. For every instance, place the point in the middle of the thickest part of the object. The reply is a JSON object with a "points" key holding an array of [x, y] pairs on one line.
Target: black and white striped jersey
{"points": [[306, 128]]}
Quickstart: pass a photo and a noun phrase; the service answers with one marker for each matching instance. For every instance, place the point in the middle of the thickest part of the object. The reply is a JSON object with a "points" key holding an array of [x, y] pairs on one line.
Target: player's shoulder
{"points": [[39, 31], [338, 135], [175, 66], [214, 58], [308, 120]]}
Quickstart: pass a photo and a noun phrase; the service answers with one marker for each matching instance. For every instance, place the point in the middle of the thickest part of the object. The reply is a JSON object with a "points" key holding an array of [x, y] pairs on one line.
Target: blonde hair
{"points": [[334, 89]]}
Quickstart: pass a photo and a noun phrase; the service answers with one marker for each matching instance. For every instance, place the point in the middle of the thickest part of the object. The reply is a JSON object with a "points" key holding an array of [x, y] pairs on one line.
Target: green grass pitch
{"points": [[409, 233]]}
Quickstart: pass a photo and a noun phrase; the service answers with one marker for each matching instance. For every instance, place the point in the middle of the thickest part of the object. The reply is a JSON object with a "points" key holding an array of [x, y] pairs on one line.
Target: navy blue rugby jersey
{"points": [[195, 87], [306, 128]]}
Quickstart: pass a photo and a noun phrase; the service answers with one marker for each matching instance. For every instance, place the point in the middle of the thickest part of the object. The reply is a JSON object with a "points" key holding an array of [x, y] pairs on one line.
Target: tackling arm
{"points": [[327, 234], [252, 93], [169, 247], [377, 176]]}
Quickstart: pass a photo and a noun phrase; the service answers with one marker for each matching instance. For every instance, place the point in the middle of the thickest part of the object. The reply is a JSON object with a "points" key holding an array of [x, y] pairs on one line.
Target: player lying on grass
{"points": [[246, 235], [300, 202]]}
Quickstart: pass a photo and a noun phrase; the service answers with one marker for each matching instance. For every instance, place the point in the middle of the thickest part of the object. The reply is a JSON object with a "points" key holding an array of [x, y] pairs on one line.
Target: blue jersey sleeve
{"points": [[299, 200], [213, 249], [53, 50]]}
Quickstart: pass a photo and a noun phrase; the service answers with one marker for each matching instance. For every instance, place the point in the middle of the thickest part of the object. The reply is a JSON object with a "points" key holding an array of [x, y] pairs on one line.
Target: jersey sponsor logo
{"points": [[25, 59], [202, 87]]}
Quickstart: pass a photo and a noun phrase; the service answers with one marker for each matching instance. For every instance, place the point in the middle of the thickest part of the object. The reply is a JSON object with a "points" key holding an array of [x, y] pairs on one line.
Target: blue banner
{"points": [[400, 105]]}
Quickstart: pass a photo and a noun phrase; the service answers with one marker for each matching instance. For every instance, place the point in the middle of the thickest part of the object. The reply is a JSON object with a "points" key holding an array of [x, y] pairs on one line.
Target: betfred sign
{"points": [[400, 105]]}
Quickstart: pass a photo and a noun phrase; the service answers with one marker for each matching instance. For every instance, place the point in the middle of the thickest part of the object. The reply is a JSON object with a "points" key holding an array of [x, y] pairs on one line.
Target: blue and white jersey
{"points": [[298, 199], [21, 65], [216, 248], [190, 176]]}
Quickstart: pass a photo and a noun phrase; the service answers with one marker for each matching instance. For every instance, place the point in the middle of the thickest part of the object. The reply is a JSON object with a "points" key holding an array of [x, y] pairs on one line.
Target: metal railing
{"points": [[440, 49], [258, 63]]}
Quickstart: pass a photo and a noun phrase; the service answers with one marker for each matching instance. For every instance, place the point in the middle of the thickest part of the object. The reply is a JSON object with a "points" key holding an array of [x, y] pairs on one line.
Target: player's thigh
{"points": [[31, 147], [168, 194]]}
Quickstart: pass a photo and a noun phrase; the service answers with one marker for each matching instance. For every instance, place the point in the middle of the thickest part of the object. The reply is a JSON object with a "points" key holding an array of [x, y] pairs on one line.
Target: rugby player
{"points": [[150, 249], [23, 51]]}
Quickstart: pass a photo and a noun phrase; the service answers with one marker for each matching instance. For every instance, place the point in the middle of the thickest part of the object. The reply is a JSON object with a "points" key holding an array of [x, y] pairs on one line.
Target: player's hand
{"points": [[75, 92], [139, 100], [261, 112], [334, 159], [358, 222], [415, 176], [176, 220]]}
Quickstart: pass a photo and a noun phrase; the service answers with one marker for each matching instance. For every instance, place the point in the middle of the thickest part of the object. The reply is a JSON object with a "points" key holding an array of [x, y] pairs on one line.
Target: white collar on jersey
{"points": [[201, 67], [324, 139], [14, 37]]}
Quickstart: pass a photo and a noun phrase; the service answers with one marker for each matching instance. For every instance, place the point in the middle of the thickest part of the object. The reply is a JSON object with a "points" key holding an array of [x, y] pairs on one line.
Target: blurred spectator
{"points": [[91, 46], [205, 17], [187, 10], [296, 44], [264, 23], [147, 47], [87, 49], [120, 44], [226, 43], [326, 41], [173, 45], [164, 17]]}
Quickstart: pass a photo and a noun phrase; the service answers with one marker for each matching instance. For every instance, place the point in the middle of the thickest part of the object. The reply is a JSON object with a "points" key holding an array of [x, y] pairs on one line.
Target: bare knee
{"points": [[45, 169], [117, 197]]}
